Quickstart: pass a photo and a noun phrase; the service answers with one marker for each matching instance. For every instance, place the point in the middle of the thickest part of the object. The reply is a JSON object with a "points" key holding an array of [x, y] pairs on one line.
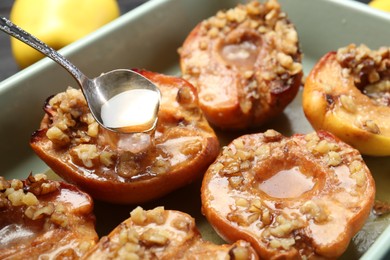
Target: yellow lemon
{"points": [[57, 23], [383, 5]]}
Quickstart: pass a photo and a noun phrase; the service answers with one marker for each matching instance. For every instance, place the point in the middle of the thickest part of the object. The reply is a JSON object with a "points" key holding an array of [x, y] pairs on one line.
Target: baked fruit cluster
{"points": [[348, 93], [164, 234], [245, 63], [271, 196], [41, 218], [292, 198], [120, 168]]}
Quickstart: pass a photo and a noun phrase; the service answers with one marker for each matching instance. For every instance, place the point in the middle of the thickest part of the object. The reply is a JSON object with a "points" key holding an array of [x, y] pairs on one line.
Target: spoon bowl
{"points": [[129, 106], [121, 100]]}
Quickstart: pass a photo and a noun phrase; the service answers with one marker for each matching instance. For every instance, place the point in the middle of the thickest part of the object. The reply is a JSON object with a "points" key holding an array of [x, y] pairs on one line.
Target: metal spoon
{"points": [[106, 95]]}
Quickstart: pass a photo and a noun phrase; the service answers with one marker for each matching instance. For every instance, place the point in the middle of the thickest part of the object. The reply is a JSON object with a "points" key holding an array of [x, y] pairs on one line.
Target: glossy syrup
{"points": [[134, 110], [289, 183]]}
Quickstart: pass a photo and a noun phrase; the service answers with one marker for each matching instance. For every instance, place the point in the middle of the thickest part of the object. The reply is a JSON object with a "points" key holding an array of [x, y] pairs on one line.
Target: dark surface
{"points": [[8, 67]]}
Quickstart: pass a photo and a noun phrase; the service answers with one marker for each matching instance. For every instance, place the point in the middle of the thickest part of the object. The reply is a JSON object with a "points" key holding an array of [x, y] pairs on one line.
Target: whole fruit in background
{"points": [[57, 23], [383, 5]]}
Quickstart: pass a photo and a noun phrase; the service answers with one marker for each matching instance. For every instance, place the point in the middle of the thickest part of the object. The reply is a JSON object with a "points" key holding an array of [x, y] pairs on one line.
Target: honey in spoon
{"points": [[134, 110]]}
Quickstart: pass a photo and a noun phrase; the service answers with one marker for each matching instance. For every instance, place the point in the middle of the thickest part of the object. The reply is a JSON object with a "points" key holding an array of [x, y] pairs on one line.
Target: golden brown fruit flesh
{"points": [[348, 93], [128, 168], [164, 234], [246, 64], [42, 219], [295, 197]]}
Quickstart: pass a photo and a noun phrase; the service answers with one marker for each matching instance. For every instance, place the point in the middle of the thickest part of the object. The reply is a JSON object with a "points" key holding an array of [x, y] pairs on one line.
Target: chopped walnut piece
{"points": [[16, 197], [315, 211], [4, 184], [272, 136], [86, 153], [334, 158], [366, 66], [155, 238], [348, 103], [57, 136], [29, 199], [138, 216], [371, 126], [368, 125], [39, 211]]}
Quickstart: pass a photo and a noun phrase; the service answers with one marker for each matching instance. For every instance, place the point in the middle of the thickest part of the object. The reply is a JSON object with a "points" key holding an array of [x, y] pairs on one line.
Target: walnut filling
{"points": [[36, 211], [326, 181], [93, 148], [370, 70], [255, 44], [16, 193], [238, 27], [164, 234]]}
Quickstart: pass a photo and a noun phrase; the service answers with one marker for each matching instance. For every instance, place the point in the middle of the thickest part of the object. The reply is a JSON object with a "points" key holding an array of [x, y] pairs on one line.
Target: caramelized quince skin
{"points": [[322, 101]]}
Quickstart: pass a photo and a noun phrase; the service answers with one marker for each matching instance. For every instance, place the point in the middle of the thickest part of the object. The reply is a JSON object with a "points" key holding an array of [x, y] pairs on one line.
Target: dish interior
{"points": [[148, 37]]}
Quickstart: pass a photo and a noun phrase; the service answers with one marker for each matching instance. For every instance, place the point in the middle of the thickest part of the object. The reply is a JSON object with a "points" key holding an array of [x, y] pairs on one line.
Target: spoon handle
{"points": [[15, 31]]}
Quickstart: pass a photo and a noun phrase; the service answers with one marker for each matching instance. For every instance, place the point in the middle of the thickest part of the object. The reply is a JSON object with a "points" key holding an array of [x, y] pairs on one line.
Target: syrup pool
{"points": [[289, 183], [242, 55]]}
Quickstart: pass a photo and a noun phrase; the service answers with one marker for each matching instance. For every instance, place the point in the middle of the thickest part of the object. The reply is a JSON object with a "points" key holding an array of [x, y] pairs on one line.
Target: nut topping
{"points": [[163, 234], [42, 218], [120, 168], [348, 94], [243, 60], [286, 201]]}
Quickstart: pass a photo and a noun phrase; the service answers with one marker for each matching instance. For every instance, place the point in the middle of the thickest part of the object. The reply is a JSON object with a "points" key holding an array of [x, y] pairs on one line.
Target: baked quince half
{"points": [[348, 93], [298, 197], [164, 234], [246, 64], [44, 219], [128, 168]]}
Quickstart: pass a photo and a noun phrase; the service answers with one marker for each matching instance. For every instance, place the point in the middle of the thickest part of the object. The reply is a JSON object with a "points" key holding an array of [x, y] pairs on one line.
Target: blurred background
{"points": [[8, 66]]}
